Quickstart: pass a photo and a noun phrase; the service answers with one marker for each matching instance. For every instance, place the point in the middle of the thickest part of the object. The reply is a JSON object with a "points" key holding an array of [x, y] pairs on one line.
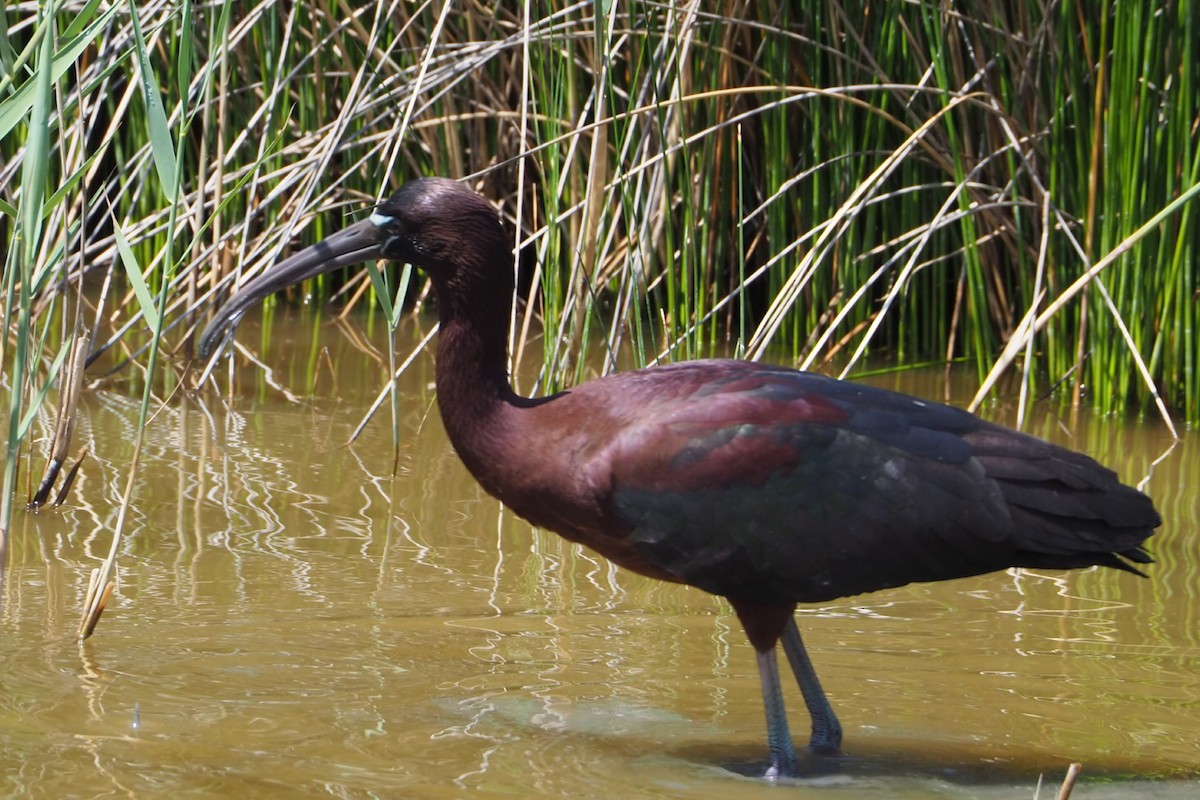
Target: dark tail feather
{"points": [[1069, 511]]}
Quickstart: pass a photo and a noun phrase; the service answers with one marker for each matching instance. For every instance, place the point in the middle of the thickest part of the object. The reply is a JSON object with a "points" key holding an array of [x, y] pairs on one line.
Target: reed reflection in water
{"points": [[294, 621]]}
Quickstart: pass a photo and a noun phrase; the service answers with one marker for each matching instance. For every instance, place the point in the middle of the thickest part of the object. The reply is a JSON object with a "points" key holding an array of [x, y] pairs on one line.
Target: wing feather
{"points": [[783, 487]]}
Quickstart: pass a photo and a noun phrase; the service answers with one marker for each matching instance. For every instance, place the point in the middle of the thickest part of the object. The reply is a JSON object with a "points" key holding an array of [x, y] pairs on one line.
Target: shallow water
{"points": [[292, 621]]}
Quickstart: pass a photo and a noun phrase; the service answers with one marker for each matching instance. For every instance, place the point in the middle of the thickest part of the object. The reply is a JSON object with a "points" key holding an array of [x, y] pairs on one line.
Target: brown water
{"points": [[293, 622]]}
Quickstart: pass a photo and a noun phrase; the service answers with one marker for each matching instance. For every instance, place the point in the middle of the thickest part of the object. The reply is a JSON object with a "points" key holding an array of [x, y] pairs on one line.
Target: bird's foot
{"points": [[776, 771], [783, 763], [826, 738]]}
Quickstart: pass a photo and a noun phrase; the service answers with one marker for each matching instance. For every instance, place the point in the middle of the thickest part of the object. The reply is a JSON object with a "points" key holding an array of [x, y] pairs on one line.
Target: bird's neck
{"points": [[472, 373]]}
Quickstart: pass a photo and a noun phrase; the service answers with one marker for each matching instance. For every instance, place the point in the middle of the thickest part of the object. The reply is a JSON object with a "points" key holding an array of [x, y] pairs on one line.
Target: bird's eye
{"points": [[395, 245], [398, 237]]}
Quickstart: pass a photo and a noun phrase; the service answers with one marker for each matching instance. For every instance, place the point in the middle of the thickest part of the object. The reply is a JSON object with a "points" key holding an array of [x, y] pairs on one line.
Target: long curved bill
{"points": [[362, 241]]}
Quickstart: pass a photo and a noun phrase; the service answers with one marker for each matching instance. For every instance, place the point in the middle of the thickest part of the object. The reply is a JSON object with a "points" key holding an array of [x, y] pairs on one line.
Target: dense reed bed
{"points": [[1004, 184]]}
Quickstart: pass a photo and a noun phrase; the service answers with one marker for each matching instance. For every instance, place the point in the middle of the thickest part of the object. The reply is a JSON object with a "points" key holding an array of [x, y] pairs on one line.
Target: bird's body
{"points": [[781, 487], [762, 484]]}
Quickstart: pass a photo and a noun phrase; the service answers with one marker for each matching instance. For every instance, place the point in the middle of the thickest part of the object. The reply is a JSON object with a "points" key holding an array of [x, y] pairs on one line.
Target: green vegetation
{"points": [[825, 181]]}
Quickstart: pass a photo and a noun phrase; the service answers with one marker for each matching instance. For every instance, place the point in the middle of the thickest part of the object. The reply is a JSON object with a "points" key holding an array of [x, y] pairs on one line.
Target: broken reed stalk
{"points": [[1068, 785], [96, 599], [64, 431], [61, 497], [104, 578]]}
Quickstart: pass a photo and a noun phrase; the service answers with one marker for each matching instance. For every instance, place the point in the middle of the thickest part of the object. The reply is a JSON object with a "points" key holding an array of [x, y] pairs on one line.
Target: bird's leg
{"points": [[826, 730], [779, 737]]}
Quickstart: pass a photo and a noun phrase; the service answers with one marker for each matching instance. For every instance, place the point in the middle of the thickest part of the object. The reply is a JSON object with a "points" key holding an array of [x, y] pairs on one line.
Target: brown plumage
{"points": [[765, 485]]}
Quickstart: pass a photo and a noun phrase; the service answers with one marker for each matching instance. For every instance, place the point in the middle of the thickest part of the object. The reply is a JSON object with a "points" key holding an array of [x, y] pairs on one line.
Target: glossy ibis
{"points": [[765, 485]]}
